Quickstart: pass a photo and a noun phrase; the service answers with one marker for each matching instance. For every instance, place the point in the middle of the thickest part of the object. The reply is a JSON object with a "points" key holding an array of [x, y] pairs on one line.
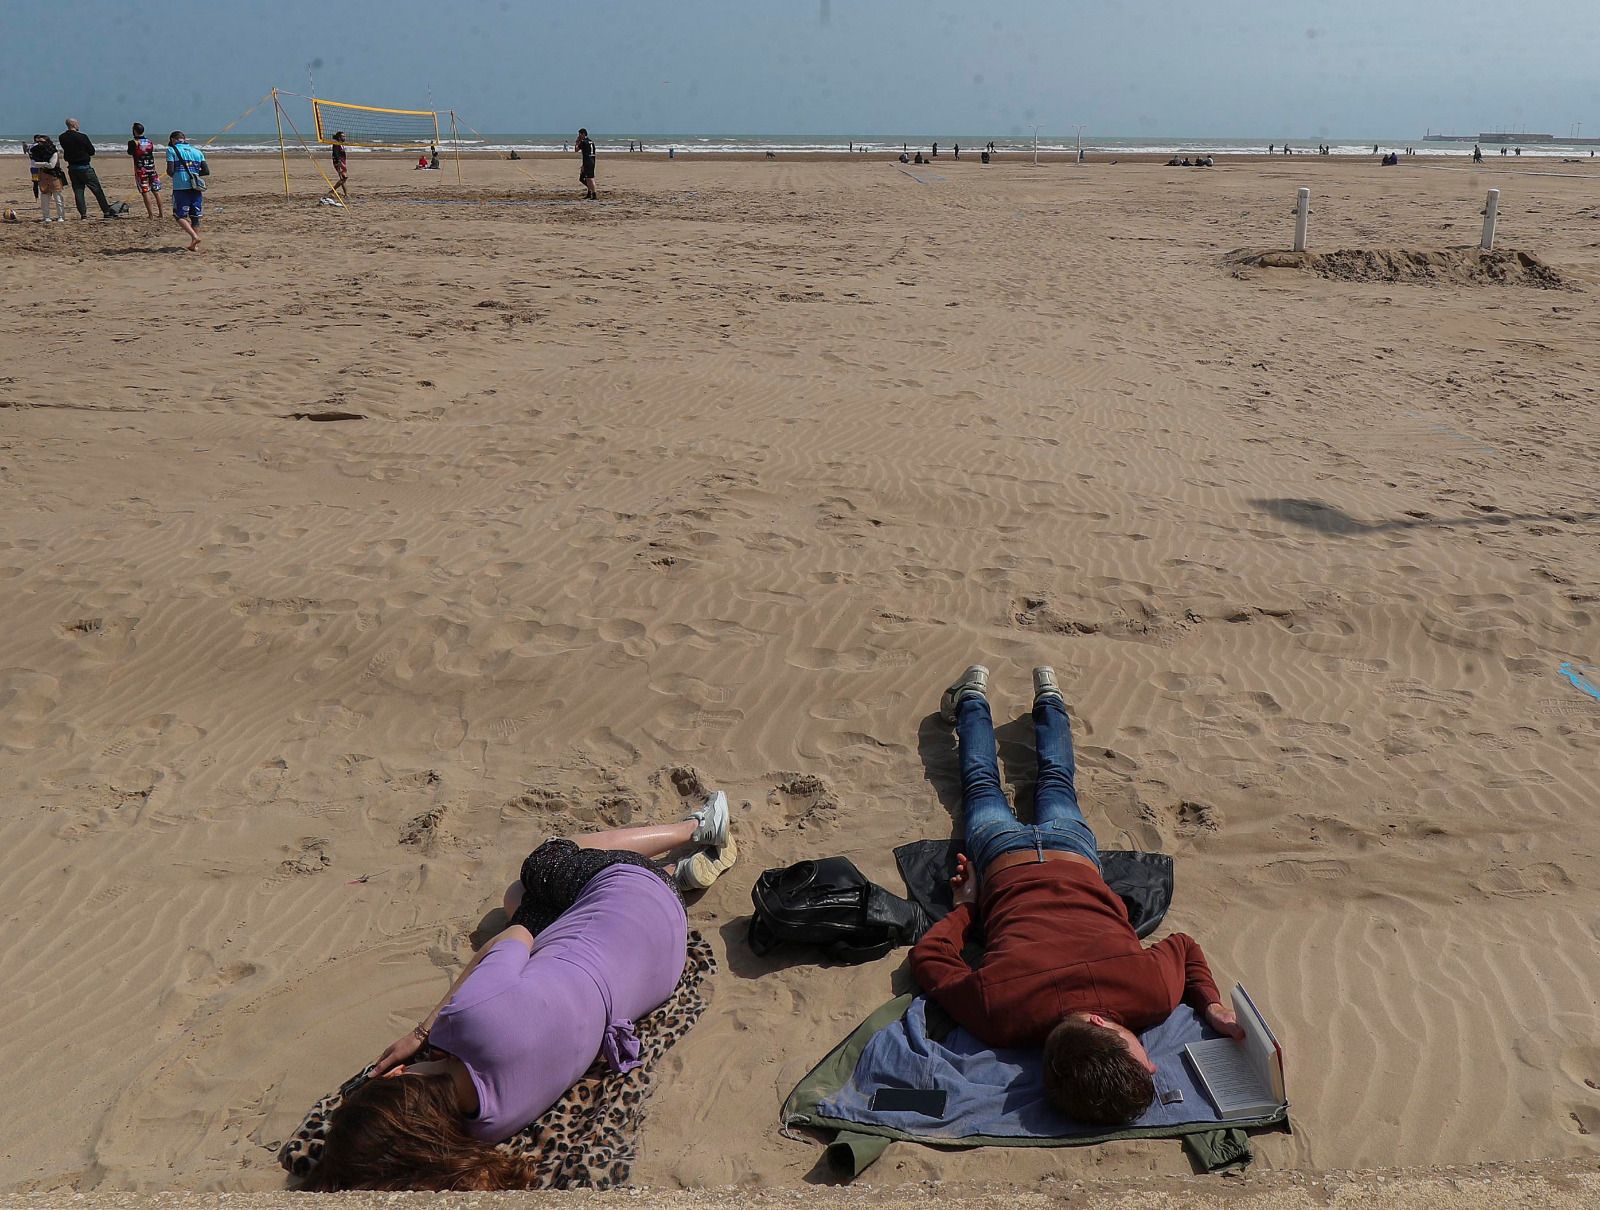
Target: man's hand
{"points": [[1223, 1021], [400, 1051], [964, 883]]}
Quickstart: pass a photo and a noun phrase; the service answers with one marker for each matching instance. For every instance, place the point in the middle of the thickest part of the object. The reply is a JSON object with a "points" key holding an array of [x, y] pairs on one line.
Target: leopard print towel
{"points": [[586, 1140]]}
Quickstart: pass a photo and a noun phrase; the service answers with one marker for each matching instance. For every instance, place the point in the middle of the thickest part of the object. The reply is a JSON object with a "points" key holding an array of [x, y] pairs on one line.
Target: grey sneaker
{"points": [[1044, 685], [711, 822], [974, 682]]}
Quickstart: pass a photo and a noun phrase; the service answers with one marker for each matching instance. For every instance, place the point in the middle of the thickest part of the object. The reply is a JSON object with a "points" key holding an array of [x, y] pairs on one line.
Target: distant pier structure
{"points": [[1508, 138]]}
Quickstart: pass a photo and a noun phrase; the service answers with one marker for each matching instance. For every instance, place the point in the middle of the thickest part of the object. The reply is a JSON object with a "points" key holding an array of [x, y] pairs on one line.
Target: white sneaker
{"points": [[1045, 685], [699, 870], [711, 822]]}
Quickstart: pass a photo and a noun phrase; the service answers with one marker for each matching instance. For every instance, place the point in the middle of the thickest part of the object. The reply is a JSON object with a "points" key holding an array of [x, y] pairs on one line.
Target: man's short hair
{"points": [[1092, 1077]]}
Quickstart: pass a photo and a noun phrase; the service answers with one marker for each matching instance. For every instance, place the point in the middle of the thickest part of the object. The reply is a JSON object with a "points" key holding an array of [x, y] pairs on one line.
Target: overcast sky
{"points": [[1140, 68]]}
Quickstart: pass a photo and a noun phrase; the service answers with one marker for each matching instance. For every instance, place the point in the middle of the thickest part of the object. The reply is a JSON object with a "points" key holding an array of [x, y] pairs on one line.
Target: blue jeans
{"points": [[992, 830]]}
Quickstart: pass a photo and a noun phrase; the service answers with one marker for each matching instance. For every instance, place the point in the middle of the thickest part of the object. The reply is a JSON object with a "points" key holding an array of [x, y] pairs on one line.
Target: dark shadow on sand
{"points": [[941, 767], [745, 963], [1327, 519]]}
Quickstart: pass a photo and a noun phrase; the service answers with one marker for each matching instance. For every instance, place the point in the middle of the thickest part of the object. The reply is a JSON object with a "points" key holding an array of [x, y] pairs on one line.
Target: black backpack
{"points": [[832, 904]]}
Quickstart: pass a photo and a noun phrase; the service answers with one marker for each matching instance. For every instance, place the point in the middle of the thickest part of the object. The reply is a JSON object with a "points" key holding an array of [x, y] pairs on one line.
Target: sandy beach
{"points": [[349, 558]]}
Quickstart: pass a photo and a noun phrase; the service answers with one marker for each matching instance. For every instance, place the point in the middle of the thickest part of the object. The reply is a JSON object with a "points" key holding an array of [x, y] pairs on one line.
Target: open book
{"points": [[1244, 1079]]}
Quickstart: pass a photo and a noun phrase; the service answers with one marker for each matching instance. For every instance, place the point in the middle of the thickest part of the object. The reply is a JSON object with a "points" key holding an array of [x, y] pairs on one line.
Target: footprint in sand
{"points": [[265, 781], [802, 797]]}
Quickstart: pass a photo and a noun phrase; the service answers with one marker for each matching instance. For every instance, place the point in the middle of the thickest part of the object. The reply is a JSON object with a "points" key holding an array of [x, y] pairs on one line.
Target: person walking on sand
{"points": [[186, 165], [340, 190], [77, 149], [597, 937], [585, 148], [1062, 965], [50, 179], [145, 176]]}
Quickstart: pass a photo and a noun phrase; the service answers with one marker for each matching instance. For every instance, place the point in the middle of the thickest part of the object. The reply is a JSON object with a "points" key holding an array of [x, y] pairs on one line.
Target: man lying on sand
{"points": [[597, 939], [1062, 966]]}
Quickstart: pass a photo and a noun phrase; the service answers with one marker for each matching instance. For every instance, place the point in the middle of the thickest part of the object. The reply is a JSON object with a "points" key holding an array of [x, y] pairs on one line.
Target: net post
{"points": [[456, 139], [283, 156]]}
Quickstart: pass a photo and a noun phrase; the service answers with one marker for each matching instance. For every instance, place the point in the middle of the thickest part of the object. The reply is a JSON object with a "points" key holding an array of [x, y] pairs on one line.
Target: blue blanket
{"points": [[999, 1094]]}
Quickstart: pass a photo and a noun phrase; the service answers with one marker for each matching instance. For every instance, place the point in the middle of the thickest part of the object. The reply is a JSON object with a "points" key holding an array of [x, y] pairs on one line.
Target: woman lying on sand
{"points": [[597, 938]]}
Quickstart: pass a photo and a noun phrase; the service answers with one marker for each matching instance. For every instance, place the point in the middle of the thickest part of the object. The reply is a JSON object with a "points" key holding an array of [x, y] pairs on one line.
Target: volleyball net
{"points": [[370, 126]]}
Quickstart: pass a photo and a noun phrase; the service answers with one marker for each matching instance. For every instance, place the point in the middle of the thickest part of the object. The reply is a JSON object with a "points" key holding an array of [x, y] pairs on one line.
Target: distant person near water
{"points": [[49, 178], [145, 176], [77, 149], [186, 165], [1477, 154], [585, 148]]}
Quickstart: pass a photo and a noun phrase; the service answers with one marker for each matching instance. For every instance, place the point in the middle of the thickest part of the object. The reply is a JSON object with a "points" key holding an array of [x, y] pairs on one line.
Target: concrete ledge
{"points": [[1556, 1184]]}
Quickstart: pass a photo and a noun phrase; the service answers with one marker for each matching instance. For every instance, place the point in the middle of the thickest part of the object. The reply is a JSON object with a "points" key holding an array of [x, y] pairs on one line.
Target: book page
{"points": [[1259, 1042], [1229, 1075]]}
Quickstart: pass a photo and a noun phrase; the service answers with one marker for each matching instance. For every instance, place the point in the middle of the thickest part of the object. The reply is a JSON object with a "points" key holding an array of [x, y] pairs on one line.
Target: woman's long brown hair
{"points": [[405, 1132]]}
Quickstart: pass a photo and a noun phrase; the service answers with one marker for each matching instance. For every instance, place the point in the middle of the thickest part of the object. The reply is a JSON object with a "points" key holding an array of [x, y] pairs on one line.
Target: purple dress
{"points": [[528, 1026]]}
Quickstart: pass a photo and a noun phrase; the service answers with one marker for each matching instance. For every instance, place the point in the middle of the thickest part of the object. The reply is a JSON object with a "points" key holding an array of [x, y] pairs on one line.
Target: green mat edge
{"points": [[837, 1066]]}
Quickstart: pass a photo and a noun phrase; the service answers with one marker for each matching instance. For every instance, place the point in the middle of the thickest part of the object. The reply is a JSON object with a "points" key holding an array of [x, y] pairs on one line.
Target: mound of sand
{"points": [[1473, 265]]}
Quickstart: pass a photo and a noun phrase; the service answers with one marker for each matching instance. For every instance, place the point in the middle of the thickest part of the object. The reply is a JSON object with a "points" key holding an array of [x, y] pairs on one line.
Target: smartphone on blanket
{"points": [[927, 1101]]}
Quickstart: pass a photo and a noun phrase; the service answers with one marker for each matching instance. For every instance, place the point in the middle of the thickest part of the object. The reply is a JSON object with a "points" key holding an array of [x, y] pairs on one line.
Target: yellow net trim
{"points": [[390, 130]]}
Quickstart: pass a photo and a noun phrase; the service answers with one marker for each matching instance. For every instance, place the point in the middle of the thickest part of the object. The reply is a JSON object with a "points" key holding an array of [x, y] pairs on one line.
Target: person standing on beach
{"points": [[50, 181], [77, 149], [33, 168], [585, 148], [186, 165], [145, 176], [340, 190]]}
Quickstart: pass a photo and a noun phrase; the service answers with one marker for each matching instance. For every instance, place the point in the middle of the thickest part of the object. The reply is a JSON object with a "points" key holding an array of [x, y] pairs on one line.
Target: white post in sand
{"points": [[1491, 211], [1302, 215]]}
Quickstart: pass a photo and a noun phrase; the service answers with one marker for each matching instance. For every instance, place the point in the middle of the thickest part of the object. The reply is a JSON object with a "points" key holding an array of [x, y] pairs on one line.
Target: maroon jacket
{"points": [[1057, 940]]}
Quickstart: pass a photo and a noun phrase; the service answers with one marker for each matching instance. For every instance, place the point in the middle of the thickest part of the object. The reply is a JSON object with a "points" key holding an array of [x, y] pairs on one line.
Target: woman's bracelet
{"points": [[419, 1031]]}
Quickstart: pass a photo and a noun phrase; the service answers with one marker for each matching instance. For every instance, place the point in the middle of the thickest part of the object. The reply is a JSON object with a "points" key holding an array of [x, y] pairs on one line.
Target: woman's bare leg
{"points": [[648, 840]]}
